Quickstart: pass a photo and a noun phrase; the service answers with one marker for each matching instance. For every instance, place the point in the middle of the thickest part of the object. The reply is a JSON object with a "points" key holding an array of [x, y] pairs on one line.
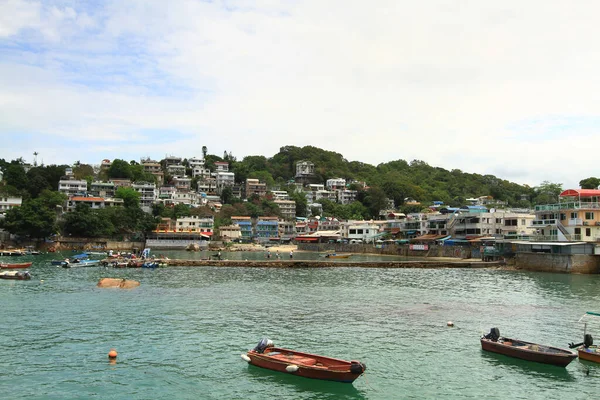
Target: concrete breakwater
{"points": [[330, 264]]}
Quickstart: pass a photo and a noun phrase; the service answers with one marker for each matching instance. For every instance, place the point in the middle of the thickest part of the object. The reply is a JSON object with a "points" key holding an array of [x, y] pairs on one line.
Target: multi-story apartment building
{"points": [[200, 172], [195, 224], [287, 229], [364, 231], [267, 228], [336, 184], [414, 225], [102, 189], [105, 165], [346, 196], [176, 170], [576, 217], [72, 187], [230, 233], [172, 160], [221, 166], [224, 179], [254, 186], [148, 194], [92, 202], [305, 169], [182, 183], [287, 208], [9, 202], [207, 185], [121, 182], [245, 224], [154, 168], [196, 162], [280, 195]]}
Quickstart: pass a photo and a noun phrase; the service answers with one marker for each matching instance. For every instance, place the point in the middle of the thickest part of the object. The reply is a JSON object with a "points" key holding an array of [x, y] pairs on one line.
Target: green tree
{"points": [[131, 198], [33, 219], [226, 195], [547, 193], [120, 169], [589, 183]]}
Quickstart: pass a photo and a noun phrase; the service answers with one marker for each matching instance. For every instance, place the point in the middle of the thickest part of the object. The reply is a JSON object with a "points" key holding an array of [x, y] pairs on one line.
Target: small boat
{"points": [[526, 350], [587, 350], [16, 275], [334, 255], [80, 263], [265, 355], [15, 265], [59, 262]]}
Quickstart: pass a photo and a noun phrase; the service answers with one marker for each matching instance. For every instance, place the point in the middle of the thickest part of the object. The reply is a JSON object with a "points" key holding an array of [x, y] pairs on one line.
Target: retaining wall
{"points": [[566, 263]]}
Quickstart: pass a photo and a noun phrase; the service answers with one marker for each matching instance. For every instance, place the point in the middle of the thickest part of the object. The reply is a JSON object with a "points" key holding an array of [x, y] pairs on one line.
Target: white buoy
{"points": [[291, 368], [450, 323], [245, 358]]}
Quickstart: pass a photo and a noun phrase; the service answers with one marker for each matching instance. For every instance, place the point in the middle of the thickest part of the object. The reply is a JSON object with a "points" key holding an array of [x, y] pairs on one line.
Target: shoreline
{"points": [[330, 264]]}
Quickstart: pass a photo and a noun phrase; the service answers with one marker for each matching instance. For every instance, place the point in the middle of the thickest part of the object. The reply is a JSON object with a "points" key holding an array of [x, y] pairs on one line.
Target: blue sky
{"points": [[505, 88]]}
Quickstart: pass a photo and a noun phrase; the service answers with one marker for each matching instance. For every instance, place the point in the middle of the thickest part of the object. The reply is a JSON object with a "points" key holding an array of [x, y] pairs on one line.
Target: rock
{"points": [[193, 247], [117, 283]]}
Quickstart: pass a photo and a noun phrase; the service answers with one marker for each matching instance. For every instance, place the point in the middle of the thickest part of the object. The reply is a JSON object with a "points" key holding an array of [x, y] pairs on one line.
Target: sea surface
{"points": [[180, 334]]}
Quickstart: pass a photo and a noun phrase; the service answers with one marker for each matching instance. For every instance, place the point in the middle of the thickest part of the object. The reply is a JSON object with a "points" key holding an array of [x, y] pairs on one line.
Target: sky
{"points": [[508, 88]]}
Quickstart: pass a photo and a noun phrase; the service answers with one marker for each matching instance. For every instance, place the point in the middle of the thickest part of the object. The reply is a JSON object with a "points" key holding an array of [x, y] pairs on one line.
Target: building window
{"points": [[588, 232], [523, 222], [578, 231], [573, 215], [589, 215]]}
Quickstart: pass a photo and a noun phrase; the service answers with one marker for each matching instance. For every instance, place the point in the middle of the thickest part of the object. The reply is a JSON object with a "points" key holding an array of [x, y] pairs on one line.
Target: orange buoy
{"points": [[112, 354]]}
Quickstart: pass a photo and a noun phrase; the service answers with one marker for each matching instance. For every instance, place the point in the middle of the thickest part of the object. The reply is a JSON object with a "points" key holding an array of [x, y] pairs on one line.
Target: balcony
{"points": [[543, 222], [577, 205]]}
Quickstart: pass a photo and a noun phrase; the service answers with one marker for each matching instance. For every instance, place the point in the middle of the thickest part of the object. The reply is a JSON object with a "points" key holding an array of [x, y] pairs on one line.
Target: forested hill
{"points": [[398, 179]]}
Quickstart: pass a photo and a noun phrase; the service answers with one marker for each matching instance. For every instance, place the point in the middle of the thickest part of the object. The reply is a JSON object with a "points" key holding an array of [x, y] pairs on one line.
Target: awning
{"points": [[307, 239], [206, 234]]}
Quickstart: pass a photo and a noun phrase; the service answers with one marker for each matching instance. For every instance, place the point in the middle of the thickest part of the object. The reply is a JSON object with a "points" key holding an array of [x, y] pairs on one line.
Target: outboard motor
{"points": [[588, 340], [357, 367], [494, 334], [263, 345]]}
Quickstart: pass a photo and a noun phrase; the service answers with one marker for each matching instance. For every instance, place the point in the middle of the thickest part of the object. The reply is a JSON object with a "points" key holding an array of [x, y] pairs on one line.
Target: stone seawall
{"points": [[566, 263], [329, 264]]}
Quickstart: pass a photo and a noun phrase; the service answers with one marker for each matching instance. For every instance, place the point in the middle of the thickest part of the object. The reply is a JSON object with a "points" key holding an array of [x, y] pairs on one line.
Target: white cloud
{"points": [[455, 84]]}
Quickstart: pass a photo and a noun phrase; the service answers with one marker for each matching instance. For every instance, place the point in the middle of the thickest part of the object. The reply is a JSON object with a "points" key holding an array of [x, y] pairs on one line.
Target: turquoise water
{"points": [[180, 334]]}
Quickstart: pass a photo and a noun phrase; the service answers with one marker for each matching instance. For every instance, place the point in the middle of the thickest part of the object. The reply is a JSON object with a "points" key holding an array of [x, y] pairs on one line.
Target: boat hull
{"points": [[15, 265], [591, 353], [331, 369], [530, 352]]}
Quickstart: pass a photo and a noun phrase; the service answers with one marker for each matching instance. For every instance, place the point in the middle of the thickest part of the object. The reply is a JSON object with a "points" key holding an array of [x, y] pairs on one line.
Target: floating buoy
{"points": [[245, 358], [112, 354], [450, 323], [291, 368]]}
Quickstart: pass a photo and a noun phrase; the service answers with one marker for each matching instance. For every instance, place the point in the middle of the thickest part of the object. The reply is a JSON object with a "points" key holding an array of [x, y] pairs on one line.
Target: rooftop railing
{"points": [[574, 205]]}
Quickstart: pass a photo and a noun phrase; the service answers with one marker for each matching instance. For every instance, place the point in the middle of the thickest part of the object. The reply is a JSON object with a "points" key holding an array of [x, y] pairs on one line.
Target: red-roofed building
{"points": [[576, 217]]}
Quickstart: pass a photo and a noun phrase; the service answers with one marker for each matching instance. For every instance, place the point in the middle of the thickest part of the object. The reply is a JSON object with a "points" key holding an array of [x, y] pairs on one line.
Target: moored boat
{"points": [[587, 350], [526, 350], [335, 255], [307, 365], [16, 275], [15, 265]]}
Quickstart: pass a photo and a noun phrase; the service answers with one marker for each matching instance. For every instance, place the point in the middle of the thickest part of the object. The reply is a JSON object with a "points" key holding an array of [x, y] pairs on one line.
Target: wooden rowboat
{"points": [[303, 364], [15, 265], [526, 350]]}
